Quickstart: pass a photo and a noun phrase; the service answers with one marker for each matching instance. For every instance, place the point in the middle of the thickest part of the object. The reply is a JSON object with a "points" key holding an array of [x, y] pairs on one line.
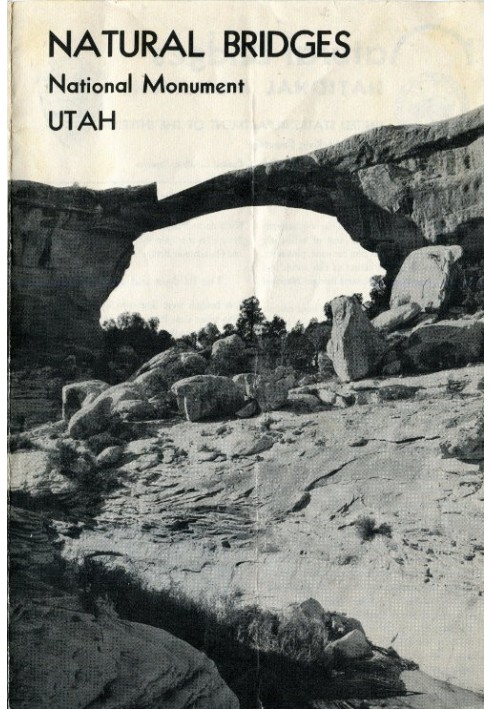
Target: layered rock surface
{"points": [[243, 505], [64, 657], [394, 189]]}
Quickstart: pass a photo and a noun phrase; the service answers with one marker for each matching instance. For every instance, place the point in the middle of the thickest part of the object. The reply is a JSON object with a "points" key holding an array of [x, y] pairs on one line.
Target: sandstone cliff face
{"points": [[69, 249], [393, 189]]}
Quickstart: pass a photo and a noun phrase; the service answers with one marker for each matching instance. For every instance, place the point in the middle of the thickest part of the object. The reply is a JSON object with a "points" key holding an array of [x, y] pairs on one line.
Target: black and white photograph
{"points": [[246, 354]]}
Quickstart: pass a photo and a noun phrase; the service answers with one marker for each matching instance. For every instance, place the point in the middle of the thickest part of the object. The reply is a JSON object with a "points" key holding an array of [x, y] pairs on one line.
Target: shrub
{"points": [[73, 463], [20, 441], [367, 528], [63, 456]]}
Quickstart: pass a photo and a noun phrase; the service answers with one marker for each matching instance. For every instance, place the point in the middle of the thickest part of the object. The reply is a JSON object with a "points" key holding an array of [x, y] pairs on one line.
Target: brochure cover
{"points": [[246, 354]]}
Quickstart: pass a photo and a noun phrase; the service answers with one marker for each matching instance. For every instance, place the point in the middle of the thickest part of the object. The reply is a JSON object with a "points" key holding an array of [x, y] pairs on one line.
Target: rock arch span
{"points": [[393, 189]]}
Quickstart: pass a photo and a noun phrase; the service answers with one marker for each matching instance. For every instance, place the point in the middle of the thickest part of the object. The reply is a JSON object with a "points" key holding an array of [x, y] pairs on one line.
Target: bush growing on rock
{"points": [[282, 659], [100, 441], [468, 291], [368, 529], [20, 441], [70, 460]]}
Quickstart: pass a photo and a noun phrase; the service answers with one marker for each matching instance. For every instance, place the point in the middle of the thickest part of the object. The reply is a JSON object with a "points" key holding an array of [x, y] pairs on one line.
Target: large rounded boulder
{"points": [[144, 396], [426, 277], [169, 367], [444, 345], [77, 394], [269, 389], [207, 396], [228, 355]]}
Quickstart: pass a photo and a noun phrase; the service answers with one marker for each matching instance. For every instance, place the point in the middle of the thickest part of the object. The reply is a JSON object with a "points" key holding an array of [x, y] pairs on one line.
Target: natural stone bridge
{"points": [[393, 189]]}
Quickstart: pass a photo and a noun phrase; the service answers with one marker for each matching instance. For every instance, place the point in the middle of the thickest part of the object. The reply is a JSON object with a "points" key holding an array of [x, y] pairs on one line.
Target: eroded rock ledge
{"points": [[394, 189]]}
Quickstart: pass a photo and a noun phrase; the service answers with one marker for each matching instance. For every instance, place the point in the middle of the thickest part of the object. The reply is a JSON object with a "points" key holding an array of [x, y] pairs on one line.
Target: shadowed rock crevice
{"points": [[393, 189]]}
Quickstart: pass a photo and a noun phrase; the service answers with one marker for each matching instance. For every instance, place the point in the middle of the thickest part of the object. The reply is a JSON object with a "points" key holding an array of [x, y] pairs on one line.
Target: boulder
{"points": [[395, 318], [228, 355], [32, 473], [250, 409], [207, 396], [270, 389], [465, 441], [324, 393], [247, 443], [172, 365], [62, 658], [92, 419], [133, 410], [355, 347], [444, 345], [392, 368], [109, 456], [151, 383], [352, 646], [426, 277], [164, 405], [126, 401], [327, 396], [304, 402], [75, 395], [395, 392]]}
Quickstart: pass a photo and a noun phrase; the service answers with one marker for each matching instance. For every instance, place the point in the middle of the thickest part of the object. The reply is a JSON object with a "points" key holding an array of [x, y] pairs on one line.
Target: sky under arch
{"points": [[198, 272]]}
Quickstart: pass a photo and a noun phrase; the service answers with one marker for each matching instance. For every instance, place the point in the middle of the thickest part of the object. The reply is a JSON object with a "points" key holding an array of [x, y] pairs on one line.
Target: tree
{"points": [[378, 297], [131, 321], [153, 324], [228, 329], [208, 335], [299, 350], [190, 340], [273, 337], [130, 340], [250, 320], [319, 334], [328, 311], [276, 327]]}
